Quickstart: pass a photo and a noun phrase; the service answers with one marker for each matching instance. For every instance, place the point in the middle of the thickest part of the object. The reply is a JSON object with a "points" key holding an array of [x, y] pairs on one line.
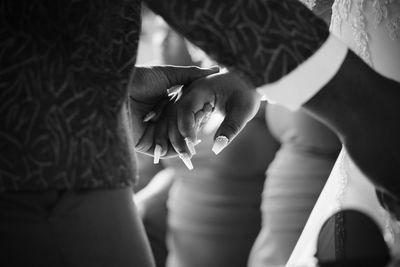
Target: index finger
{"points": [[240, 109], [190, 110]]}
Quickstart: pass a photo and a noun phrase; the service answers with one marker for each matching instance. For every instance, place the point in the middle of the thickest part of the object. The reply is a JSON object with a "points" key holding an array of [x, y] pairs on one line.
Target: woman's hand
{"points": [[148, 98], [226, 92], [180, 120]]}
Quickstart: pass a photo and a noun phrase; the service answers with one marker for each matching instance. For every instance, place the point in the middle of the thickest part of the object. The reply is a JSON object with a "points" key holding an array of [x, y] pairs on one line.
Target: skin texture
{"points": [[258, 41], [227, 93]]}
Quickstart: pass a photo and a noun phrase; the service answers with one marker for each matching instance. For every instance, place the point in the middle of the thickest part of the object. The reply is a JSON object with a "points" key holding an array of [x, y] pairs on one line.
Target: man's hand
{"points": [[148, 91]]}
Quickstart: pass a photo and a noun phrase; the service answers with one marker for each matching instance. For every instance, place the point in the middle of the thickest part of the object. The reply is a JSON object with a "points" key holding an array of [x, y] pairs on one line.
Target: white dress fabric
{"points": [[371, 28], [295, 179], [214, 210]]}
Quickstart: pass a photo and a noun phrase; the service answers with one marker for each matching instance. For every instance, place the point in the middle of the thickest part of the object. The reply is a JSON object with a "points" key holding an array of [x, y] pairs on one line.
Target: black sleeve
{"points": [[389, 203]]}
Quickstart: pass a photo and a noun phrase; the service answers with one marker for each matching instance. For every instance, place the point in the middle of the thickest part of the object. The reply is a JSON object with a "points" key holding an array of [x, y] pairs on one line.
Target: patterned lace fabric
{"points": [[318, 5], [64, 67], [362, 16]]}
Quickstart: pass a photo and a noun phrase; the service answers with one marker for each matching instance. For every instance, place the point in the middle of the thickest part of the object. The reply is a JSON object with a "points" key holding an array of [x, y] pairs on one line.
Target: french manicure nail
{"points": [[157, 154], [219, 144], [149, 116], [198, 141], [174, 89], [190, 145], [186, 159]]}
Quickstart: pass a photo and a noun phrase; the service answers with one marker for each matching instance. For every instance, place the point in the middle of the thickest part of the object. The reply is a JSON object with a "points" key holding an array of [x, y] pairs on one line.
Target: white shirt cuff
{"points": [[301, 84]]}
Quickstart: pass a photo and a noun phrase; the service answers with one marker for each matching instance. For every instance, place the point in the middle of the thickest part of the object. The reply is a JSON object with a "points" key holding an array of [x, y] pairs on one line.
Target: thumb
{"points": [[149, 83], [179, 75], [239, 111]]}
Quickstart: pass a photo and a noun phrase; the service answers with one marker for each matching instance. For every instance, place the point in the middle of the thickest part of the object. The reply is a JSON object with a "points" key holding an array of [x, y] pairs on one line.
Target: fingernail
{"points": [[190, 145], [157, 154], [219, 144], [149, 116], [174, 89], [186, 159], [173, 97], [207, 109], [197, 142]]}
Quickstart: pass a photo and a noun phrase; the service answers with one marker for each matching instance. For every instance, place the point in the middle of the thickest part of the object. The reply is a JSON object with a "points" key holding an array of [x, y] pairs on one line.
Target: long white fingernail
{"points": [[157, 154], [219, 144], [149, 116], [190, 146], [186, 159], [174, 89], [198, 141]]}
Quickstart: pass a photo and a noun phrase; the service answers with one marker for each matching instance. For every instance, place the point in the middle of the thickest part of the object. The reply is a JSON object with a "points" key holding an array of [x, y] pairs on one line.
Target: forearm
{"points": [[261, 40]]}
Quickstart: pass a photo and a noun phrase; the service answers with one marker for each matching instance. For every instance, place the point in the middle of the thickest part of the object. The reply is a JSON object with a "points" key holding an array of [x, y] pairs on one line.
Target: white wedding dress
{"points": [[371, 28]]}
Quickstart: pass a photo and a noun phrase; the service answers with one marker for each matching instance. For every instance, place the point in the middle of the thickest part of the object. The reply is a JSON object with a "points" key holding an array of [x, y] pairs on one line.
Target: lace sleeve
{"points": [[64, 66], [261, 40], [372, 29], [318, 6]]}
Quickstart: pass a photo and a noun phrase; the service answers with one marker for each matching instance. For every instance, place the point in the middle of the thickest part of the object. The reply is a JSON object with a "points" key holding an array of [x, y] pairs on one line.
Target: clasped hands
{"points": [[169, 104]]}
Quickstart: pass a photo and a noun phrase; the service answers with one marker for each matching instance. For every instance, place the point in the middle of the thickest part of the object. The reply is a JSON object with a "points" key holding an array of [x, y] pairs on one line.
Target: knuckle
{"points": [[232, 126]]}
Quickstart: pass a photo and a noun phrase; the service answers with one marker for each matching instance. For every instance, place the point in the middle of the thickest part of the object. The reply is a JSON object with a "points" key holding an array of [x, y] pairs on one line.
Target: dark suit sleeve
{"points": [[262, 40]]}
